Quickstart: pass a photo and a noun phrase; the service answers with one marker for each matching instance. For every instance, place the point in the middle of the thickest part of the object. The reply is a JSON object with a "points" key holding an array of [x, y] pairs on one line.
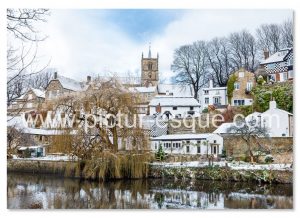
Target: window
{"points": [[216, 100], [199, 149], [238, 102], [174, 108], [50, 94], [284, 76], [155, 146], [191, 108], [206, 92], [188, 142], [150, 66], [29, 96], [236, 86], [290, 74], [206, 100], [176, 144], [187, 149], [241, 74], [249, 86]]}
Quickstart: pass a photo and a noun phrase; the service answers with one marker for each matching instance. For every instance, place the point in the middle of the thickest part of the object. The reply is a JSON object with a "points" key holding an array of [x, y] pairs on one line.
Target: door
{"points": [[277, 76]]}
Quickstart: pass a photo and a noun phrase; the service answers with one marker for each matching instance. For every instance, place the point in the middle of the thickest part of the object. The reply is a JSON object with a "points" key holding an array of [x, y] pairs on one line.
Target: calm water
{"points": [[32, 191]]}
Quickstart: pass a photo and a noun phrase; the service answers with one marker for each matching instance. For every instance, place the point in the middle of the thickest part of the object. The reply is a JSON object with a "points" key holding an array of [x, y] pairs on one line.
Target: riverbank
{"points": [[218, 172]]}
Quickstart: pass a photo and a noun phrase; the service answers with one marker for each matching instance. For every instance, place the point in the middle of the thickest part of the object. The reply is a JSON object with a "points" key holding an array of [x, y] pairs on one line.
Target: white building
{"points": [[201, 144], [175, 90], [278, 122], [216, 96], [174, 106]]}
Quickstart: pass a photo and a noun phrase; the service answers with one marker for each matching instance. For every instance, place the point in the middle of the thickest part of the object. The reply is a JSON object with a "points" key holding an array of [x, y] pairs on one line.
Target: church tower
{"points": [[149, 70]]}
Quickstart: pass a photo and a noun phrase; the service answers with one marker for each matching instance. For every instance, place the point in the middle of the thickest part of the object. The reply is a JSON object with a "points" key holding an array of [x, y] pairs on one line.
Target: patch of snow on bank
{"points": [[234, 166]]}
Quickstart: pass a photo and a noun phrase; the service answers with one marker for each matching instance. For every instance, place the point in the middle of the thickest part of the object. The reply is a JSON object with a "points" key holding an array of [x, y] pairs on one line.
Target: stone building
{"points": [[243, 85], [32, 100], [149, 70], [61, 85]]}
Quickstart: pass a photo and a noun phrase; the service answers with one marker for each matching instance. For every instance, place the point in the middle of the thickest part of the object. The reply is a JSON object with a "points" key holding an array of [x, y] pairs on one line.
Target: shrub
{"points": [[269, 159], [205, 110], [160, 155]]}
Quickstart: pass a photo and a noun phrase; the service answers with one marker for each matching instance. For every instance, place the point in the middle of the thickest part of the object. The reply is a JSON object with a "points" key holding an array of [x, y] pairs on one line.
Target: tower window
{"points": [[150, 66]]}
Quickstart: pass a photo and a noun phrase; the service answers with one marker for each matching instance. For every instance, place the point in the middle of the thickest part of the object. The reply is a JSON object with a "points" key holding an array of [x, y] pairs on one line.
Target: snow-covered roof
{"points": [[175, 90], [150, 89], [215, 88], [174, 101], [222, 129], [39, 93], [19, 123], [183, 136], [70, 84], [277, 57]]}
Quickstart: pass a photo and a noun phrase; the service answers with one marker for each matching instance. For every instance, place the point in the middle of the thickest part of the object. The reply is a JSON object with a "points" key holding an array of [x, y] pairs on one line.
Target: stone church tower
{"points": [[149, 70]]}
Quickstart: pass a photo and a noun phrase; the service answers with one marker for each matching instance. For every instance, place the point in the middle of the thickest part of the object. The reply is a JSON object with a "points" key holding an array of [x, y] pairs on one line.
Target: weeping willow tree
{"points": [[106, 137]]}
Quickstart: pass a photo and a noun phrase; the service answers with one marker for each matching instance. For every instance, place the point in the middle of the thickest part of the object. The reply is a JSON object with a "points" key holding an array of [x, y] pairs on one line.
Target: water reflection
{"points": [[32, 191]]}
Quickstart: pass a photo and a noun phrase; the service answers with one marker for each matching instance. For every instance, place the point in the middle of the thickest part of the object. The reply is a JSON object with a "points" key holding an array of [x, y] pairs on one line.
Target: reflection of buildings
{"points": [[190, 199], [25, 191]]}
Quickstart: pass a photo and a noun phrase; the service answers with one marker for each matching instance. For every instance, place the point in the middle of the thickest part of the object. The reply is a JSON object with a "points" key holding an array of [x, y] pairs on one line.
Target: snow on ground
{"points": [[48, 158], [234, 165]]}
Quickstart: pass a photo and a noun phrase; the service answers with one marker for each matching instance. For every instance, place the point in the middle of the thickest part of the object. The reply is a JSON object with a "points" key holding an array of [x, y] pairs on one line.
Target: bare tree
{"points": [[219, 55], [243, 49], [41, 80], [22, 48], [269, 37], [190, 63], [250, 131], [287, 33]]}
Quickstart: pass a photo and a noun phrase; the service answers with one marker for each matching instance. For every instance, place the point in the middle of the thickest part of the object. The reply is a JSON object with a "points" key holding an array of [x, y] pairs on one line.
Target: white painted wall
{"points": [[204, 149], [180, 110], [279, 122], [213, 92]]}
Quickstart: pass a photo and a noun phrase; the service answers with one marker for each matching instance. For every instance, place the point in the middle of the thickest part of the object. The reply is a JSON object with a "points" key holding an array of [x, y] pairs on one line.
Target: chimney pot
{"points": [[273, 105], [88, 79], [266, 54], [211, 84]]}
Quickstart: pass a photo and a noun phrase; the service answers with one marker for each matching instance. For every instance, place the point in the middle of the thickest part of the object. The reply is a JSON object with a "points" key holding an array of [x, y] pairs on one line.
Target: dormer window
{"points": [[241, 74]]}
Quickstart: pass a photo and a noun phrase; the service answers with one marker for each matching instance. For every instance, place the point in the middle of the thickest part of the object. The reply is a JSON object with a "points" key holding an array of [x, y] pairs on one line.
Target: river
{"points": [[49, 192]]}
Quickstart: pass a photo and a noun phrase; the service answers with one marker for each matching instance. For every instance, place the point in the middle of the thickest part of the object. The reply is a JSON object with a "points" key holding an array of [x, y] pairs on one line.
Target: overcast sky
{"points": [[91, 42]]}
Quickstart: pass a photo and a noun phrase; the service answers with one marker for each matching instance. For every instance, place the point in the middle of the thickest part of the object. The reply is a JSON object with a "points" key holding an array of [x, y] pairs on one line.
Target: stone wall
{"points": [[282, 147]]}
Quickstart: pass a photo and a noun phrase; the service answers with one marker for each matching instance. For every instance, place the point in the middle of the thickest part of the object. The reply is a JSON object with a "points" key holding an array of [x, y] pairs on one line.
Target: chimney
{"points": [[55, 75], [158, 108], [88, 79], [167, 92], [266, 54], [211, 84], [273, 105]]}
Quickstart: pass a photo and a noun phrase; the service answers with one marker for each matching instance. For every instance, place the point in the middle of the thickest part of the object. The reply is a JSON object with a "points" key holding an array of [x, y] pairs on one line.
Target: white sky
{"points": [[79, 45]]}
